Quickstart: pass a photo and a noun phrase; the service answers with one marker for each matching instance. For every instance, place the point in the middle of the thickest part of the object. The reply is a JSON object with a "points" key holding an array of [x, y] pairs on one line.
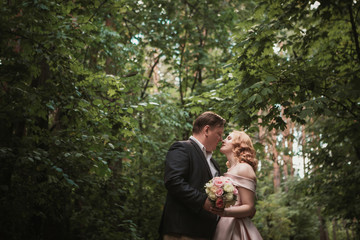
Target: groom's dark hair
{"points": [[208, 118]]}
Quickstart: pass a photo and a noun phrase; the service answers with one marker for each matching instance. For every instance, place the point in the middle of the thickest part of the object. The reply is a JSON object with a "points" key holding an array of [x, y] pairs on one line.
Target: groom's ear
{"points": [[206, 130]]}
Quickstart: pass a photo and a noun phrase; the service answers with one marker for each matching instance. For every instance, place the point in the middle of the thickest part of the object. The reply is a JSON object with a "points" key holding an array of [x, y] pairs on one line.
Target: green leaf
{"points": [[130, 110]]}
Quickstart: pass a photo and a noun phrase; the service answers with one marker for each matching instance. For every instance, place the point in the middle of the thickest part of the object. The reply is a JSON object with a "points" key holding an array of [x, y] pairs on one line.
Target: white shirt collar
{"points": [[207, 155], [199, 143]]}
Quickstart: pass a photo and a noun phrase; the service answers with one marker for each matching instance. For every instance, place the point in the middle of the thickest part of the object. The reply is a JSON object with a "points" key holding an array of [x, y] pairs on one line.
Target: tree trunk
{"points": [[285, 159], [290, 145], [275, 155], [139, 219], [346, 231], [287, 145], [322, 228], [284, 144], [261, 129], [334, 228]]}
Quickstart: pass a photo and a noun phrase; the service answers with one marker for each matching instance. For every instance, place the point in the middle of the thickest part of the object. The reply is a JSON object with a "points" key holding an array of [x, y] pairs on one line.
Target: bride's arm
{"points": [[247, 207]]}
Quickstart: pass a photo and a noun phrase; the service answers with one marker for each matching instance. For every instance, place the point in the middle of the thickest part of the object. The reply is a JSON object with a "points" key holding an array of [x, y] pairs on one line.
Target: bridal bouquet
{"points": [[221, 192]]}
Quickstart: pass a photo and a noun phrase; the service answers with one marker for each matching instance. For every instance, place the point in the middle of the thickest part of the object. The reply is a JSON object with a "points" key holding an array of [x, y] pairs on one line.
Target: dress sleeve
{"points": [[243, 182]]}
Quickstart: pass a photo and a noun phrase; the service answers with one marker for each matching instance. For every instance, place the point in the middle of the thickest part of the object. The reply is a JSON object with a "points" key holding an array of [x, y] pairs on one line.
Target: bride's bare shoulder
{"points": [[245, 170]]}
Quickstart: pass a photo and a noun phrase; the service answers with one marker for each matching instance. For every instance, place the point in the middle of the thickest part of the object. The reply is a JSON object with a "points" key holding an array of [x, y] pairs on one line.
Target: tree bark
{"points": [[261, 129], [290, 145], [334, 228], [276, 166], [322, 228]]}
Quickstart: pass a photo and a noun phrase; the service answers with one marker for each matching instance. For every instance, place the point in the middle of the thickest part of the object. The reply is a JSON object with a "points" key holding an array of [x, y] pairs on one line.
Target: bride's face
{"points": [[227, 146]]}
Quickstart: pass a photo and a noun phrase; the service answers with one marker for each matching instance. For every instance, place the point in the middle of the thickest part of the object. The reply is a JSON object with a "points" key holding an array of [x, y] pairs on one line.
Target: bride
{"points": [[235, 223]]}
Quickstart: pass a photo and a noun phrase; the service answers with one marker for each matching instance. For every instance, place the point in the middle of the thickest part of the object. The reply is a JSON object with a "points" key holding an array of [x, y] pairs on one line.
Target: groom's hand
{"points": [[207, 205]]}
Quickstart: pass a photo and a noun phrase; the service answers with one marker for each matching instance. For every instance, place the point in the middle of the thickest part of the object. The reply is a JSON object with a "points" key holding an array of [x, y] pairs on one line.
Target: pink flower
{"points": [[219, 203], [227, 181], [218, 182], [219, 192]]}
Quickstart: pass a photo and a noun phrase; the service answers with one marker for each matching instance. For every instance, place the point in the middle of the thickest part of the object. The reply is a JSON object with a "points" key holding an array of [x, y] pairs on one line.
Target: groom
{"points": [[188, 167]]}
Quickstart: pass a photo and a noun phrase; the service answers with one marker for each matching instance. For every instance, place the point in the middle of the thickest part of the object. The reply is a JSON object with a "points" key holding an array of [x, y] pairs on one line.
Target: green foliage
{"points": [[285, 214], [301, 60], [61, 124], [85, 124], [152, 139], [338, 176], [309, 74], [79, 135], [272, 218]]}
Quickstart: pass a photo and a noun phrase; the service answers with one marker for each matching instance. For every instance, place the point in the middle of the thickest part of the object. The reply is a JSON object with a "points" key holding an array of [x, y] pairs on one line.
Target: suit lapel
{"points": [[201, 155], [216, 166]]}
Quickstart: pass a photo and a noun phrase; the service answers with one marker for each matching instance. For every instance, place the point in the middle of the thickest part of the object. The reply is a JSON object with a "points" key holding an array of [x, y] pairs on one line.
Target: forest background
{"points": [[93, 93]]}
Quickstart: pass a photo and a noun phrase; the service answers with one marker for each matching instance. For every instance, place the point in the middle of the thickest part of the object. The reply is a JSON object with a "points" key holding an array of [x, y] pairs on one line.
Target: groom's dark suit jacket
{"points": [[186, 173]]}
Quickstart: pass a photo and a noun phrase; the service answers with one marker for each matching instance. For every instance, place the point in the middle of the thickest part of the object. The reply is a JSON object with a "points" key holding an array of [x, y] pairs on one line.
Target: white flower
{"points": [[229, 197], [229, 188], [209, 185], [212, 196]]}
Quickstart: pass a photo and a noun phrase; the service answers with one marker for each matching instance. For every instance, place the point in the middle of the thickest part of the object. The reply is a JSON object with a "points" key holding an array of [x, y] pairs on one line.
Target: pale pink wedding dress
{"points": [[229, 228]]}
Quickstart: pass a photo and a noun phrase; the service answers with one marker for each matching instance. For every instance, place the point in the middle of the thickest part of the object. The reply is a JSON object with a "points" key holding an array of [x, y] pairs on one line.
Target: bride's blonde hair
{"points": [[243, 149]]}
